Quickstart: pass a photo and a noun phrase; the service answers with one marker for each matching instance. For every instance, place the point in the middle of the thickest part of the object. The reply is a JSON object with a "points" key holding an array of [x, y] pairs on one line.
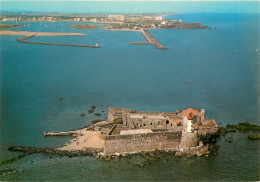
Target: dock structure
{"points": [[61, 133], [150, 40], [57, 44]]}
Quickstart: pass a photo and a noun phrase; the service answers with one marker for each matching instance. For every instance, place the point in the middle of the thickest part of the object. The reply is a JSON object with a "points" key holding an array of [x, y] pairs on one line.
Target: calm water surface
{"points": [[213, 69]]}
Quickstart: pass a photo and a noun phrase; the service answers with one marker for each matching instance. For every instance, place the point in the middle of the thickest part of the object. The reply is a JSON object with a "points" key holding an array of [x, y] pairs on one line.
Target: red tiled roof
{"points": [[176, 121], [186, 112]]}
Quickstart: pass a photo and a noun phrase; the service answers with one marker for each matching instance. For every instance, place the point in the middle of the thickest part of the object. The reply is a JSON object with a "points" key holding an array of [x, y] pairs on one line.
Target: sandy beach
{"points": [[26, 33], [86, 139]]}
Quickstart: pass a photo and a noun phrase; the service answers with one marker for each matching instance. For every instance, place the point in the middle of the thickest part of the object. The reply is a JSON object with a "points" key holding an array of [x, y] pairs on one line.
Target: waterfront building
{"points": [[116, 17]]}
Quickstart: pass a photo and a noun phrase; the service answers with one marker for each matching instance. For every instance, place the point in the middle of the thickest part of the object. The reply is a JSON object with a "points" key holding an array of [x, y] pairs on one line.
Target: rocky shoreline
{"points": [[210, 140], [208, 145]]}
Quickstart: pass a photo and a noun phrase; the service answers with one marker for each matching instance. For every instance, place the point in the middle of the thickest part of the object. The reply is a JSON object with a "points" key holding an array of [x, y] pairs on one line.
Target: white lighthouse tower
{"points": [[189, 137], [189, 122]]}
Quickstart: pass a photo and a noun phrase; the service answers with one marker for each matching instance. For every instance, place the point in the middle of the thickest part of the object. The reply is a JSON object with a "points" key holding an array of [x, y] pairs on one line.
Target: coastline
{"points": [[27, 33]]}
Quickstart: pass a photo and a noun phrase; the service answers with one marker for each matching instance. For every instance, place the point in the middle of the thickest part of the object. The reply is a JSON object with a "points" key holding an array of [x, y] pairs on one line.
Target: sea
{"points": [[215, 69]]}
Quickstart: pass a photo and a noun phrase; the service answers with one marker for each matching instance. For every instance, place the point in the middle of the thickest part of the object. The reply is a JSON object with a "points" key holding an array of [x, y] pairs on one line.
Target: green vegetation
{"points": [[95, 121], [89, 128], [92, 109], [12, 159], [109, 126], [254, 137], [232, 131], [84, 26], [139, 24], [4, 26], [211, 139], [244, 127], [97, 114], [116, 131], [118, 121], [2, 172]]}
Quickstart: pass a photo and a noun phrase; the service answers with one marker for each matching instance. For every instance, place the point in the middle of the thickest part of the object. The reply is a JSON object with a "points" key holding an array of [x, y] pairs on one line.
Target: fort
{"points": [[146, 131], [128, 131]]}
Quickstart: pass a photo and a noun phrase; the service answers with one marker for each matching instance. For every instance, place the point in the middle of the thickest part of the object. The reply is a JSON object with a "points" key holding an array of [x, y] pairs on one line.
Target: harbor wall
{"points": [[142, 142], [22, 40]]}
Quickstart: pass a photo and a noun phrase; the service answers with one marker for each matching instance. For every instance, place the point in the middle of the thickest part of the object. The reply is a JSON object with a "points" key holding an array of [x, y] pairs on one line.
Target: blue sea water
{"points": [[214, 69]]}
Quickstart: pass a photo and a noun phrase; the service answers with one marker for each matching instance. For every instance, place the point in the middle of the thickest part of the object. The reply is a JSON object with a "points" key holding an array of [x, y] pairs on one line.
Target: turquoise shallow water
{"points": [[217, 70]]}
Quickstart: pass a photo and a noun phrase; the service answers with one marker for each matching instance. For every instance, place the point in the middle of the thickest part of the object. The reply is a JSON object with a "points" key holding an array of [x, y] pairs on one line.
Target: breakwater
{"points": [[57, 44], [62, 133], [53, 151], [150, 40]]}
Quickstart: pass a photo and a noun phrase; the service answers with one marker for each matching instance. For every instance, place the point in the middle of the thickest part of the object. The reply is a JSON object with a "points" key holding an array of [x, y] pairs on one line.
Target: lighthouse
{"points": [[189, 137], [189, 123]]}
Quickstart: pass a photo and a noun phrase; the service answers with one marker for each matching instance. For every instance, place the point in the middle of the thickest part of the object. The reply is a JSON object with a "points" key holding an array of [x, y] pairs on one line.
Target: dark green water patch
{"points": [[254, 137], [12, 160], [6, 171], [244, 127]]}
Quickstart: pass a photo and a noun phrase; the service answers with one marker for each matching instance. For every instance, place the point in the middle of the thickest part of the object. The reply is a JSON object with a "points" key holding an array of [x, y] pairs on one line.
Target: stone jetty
{"points": [[150, 40], [57, 44], [62, 133], [34, 34]]}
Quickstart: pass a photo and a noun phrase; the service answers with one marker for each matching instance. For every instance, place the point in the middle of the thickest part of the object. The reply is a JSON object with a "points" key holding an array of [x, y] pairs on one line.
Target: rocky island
{"points": [[126, 131]]}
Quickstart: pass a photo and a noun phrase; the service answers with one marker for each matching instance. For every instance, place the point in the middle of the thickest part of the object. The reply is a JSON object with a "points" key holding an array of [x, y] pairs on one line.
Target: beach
{"points": [[27, 33], [85, 140]]}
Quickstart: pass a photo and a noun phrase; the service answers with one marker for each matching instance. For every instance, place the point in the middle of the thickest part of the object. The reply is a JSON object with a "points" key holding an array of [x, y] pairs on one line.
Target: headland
{"points": [[118, 22]]}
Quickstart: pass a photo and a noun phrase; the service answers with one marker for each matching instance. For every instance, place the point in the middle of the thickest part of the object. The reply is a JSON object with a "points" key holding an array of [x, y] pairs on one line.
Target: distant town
{"points": [[129, 22], [112, 21]]}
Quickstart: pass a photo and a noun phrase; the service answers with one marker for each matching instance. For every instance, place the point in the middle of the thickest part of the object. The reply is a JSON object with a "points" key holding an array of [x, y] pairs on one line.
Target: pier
{"points": [[150, 40], [57, 44], [61, 133]]}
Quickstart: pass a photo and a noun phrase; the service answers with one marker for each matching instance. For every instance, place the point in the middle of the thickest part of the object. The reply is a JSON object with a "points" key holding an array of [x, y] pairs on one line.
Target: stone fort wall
{"points": [[142, 142]]}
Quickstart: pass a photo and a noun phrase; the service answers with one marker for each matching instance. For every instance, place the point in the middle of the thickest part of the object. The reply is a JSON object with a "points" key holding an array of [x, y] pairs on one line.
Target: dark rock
{"points": [[254, 137]]}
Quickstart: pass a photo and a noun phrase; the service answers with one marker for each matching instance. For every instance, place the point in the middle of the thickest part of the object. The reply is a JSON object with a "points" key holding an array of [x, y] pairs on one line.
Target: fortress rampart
{"points": [[142, 142], [147, 131]]}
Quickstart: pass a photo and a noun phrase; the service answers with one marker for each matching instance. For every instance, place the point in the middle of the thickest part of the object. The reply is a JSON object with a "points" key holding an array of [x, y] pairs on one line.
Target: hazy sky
{"points": [[132, 0], [134, 6]]}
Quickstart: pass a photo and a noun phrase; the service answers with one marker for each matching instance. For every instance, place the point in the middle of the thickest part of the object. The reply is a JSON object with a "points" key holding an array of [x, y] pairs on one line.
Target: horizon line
{"points": [[131, 0]]}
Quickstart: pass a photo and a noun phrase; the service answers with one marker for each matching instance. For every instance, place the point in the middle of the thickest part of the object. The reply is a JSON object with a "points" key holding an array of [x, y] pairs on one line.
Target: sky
{"points": [[123, 6], [131, 0]]}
